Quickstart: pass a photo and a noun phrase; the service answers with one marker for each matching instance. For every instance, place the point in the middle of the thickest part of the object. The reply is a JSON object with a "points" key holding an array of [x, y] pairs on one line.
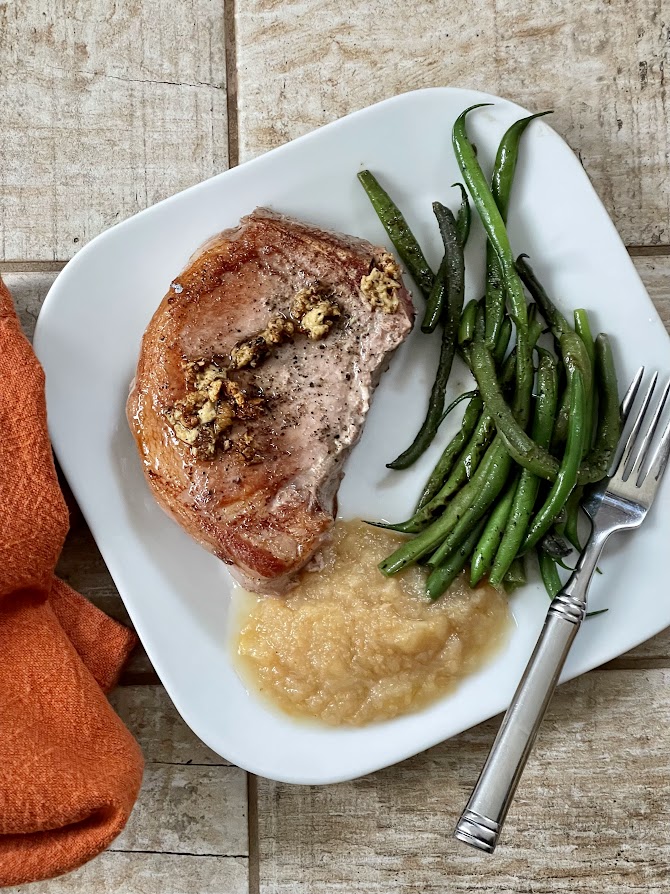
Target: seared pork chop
{"points": [[254, 378]]}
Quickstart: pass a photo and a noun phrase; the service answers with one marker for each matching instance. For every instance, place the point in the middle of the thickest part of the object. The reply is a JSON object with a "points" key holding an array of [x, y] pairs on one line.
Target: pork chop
{"points": [[253, 382]]}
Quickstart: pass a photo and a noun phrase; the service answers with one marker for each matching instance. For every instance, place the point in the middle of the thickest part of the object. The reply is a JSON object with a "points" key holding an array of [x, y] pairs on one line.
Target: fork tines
{"points": [[630, 461]]}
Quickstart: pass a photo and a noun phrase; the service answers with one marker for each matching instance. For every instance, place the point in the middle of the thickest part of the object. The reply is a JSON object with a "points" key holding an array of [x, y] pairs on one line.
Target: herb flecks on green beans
{"points": [[569, 468], [529, 484], [485, 503], [490, 216], [557, 322], [494, 226], [399, 232], [443, 576], [452, 451], [464, 216], [487, 546], [450, 316], [501, 189], [451, 275], [521, 446], [488, 483], [598, 461]]}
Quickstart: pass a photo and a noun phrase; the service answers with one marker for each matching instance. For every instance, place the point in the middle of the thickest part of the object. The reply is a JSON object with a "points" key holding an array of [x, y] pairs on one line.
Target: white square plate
{"points": [[178, 596]]}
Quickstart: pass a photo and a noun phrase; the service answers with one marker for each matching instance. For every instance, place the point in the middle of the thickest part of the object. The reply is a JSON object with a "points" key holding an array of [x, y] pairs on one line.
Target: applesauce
{"points": [[349, 646]]}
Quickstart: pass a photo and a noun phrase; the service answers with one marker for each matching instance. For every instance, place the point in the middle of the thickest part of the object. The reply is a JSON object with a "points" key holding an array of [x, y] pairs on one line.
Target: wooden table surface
{"points": [[108, 107]]}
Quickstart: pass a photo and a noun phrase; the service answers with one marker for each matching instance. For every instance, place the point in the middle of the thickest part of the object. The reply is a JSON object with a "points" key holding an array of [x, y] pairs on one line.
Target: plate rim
{"points": [[41, 331]]}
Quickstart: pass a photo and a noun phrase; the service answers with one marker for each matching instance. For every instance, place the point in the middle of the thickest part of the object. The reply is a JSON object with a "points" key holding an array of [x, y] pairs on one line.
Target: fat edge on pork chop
{"points": [[254, 378]]}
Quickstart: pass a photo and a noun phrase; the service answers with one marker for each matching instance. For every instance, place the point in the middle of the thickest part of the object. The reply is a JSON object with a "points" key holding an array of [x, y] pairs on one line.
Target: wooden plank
{"points": [[301, 67], [116, 873], [192, 801], [189, 810], [160, 731], [29, 291], [188, 831], [107, 108], [655, 274], [592, 812]]}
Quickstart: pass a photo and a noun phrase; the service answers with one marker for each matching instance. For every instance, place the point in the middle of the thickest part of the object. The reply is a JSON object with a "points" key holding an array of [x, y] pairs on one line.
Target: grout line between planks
{"points": [[31, 266], [139, 678], [254, 842], [120, 850], [625, 663], [230, 41], [27, 266], [648, 251]]}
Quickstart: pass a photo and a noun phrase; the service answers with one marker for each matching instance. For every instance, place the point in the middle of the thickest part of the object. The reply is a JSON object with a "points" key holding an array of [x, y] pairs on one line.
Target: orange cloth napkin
{"points": [[69, 769]]}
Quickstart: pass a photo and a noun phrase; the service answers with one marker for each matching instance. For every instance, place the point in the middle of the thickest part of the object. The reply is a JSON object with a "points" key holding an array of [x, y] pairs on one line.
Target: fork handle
{"points": [[482, 820]]}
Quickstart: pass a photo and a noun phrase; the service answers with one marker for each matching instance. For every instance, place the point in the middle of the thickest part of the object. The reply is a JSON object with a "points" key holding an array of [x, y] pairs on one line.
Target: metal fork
{"points": [[619, 503]]}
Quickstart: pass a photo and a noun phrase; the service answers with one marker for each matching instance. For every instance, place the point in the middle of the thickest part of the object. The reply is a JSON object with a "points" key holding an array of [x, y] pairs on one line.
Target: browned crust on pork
{"points": [[266, 519]]}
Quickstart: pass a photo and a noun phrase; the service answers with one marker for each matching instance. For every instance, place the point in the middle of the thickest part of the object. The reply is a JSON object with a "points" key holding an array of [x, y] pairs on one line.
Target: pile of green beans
{"points": [[542, 422]]}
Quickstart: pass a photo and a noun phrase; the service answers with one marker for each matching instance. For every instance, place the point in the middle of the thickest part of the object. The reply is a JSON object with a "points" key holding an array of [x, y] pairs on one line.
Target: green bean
{"points": [[572, 517], [597, 462], [490, 217], [442, 577], [516, 576], [569, 469], [451, 270], [399, 232], [549, 572], [557, 322], [437, 298], [467, 395], [489, 480], [466, 464], [535, 327], [509, 362], [583, 330], [502, 344], [529, 484], [480, 321], [459, 459], [497, 234], [465, 467], [487, 546], [574, 349], [466, 328], [452, 451], [566, 526], [464, 216], [494, 296], [470, 458], [560, 327], [431, 422], [522, 447], [501, 189], [506, 159], [574, 353], [430, 538], [451, 316]]}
